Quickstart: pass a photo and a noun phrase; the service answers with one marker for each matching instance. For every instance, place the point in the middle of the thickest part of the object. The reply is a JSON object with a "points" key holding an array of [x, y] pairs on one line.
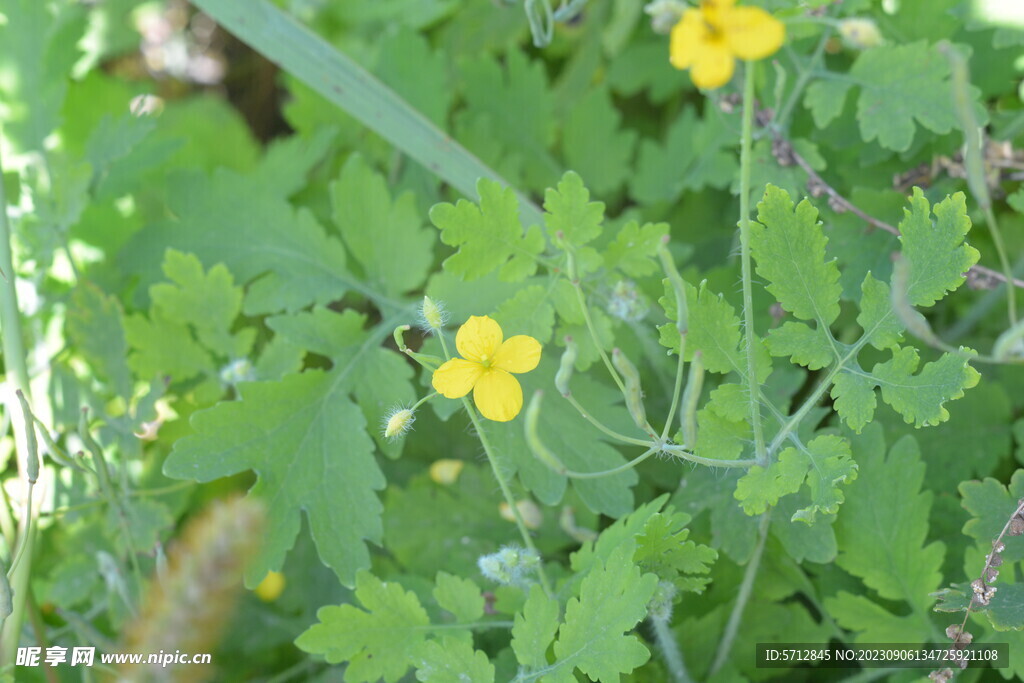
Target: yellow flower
{"points": [[707, 41], [486, 366]]}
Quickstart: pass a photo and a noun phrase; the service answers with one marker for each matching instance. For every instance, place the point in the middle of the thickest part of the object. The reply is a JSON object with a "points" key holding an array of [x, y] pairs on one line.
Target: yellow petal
{"points": [[518, 354], [687, 38], [271, 587], [498, 395], [714, 66], [479, 338], [715, 12], [752, 33], [455, 378], [446, 471]]}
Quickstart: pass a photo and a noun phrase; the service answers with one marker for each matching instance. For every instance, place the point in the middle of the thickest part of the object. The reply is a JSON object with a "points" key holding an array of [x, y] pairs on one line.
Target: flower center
{"points": [[485, 361]]}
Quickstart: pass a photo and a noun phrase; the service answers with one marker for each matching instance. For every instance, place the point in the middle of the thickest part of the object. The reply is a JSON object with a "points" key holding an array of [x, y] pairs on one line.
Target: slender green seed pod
{"points": [[676, 281], [537, 447], [691, 395], [634, 394], [56, 452], [566, 366], [6, 604], [32, 462], [1010, 343]]}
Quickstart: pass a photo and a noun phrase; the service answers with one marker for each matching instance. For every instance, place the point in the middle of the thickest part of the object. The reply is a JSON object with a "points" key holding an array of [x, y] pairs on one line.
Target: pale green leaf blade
{"points": [[920, 397], [854, 399], [789, 247], [635, 249], [614, 595], [882, 327], [534, 629], [528, 312], [570, 213], [489, 236], [459, 596], [451, 659], [825, 98], [805, 346], [937, 257], [607, 165], [830, 465], [385, 235], [379, 641], [762, 487]]}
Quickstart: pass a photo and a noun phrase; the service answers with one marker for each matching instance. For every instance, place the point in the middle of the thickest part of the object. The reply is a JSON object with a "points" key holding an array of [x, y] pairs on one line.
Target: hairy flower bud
{"points": [[432, 314], [664, 14], [509, 566], [446, 471], [528, 510], [398, 422], [860, 33]]}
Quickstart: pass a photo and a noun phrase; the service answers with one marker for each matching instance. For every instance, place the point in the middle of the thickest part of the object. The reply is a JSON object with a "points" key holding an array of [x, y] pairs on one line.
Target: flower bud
{"points": [[664, 14], [433, 314], [509, 566], [398, 422], [271, 587], [565, 367], [860, 33], [528, 510], [446, 471]]}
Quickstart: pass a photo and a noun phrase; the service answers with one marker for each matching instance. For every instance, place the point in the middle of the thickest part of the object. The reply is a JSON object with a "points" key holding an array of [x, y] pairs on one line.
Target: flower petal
{"points": [[752, 33], [498, 395], [455, 378], [714, 66], [518, 354], [479, 338], [688, 36], [715, 12]]}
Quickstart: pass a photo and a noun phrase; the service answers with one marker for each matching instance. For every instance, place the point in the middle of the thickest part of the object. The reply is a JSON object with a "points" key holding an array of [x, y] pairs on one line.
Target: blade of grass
{"points": [[283, 40]]}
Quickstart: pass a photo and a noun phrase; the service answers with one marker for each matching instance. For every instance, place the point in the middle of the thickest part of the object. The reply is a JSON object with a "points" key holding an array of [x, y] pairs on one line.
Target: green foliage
{"points": [[219, 257]]}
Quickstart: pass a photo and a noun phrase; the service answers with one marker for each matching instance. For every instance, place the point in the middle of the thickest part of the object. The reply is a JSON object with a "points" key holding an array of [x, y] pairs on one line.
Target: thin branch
{"points": [[978, 277]]}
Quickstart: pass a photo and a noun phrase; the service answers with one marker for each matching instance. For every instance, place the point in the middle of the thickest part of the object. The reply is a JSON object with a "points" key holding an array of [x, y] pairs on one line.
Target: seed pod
{"points": [[691, 395], [634, 394], [566, 366]]}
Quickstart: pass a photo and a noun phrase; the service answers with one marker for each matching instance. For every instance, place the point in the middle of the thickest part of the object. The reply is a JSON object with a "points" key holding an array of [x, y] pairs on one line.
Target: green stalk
{"points": [[502, 483], [666, 642], [18, 378], [746, 588], [748, 295]]}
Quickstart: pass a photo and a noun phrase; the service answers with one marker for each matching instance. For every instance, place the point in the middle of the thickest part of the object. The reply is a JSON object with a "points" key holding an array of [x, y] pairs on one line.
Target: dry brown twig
{"points": [[978, 277]]}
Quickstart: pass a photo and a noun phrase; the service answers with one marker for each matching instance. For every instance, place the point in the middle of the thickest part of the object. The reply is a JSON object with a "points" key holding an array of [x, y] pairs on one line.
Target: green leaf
{"points": [[920, 398], [569, 211], [695, 154], [882, 532], [991, 504], [38, 46], [714, 330], [635, 248], [414, 71], [489, 235], [825, 98], [936, 255], [228, 219], [663, 548], [607, 165], [900, 85], [761, 487], [381, 640], [534, 629], [824, 463], [94, 327], [614, 595], [854, 399], [719, 437], [386, 237], [451, 659], [882, 328], [459, 596], [287, 162], [789, 247], [209, 302], [528, 312], [517, 106], [805, 346]]}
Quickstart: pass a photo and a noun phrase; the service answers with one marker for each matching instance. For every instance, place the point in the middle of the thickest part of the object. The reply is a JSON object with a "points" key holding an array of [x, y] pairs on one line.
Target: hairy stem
{"points": [[748, 296], [502, 482], [746, 588], [669, 648]]}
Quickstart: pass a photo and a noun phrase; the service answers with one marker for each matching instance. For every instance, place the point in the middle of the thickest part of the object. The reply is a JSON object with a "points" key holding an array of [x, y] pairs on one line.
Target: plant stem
{"points": [[507, 493], [677, 390], [666, 641], [585, 309], [17, 378], [502, 483], [746, 588], [748, 296], [606, 430]]}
